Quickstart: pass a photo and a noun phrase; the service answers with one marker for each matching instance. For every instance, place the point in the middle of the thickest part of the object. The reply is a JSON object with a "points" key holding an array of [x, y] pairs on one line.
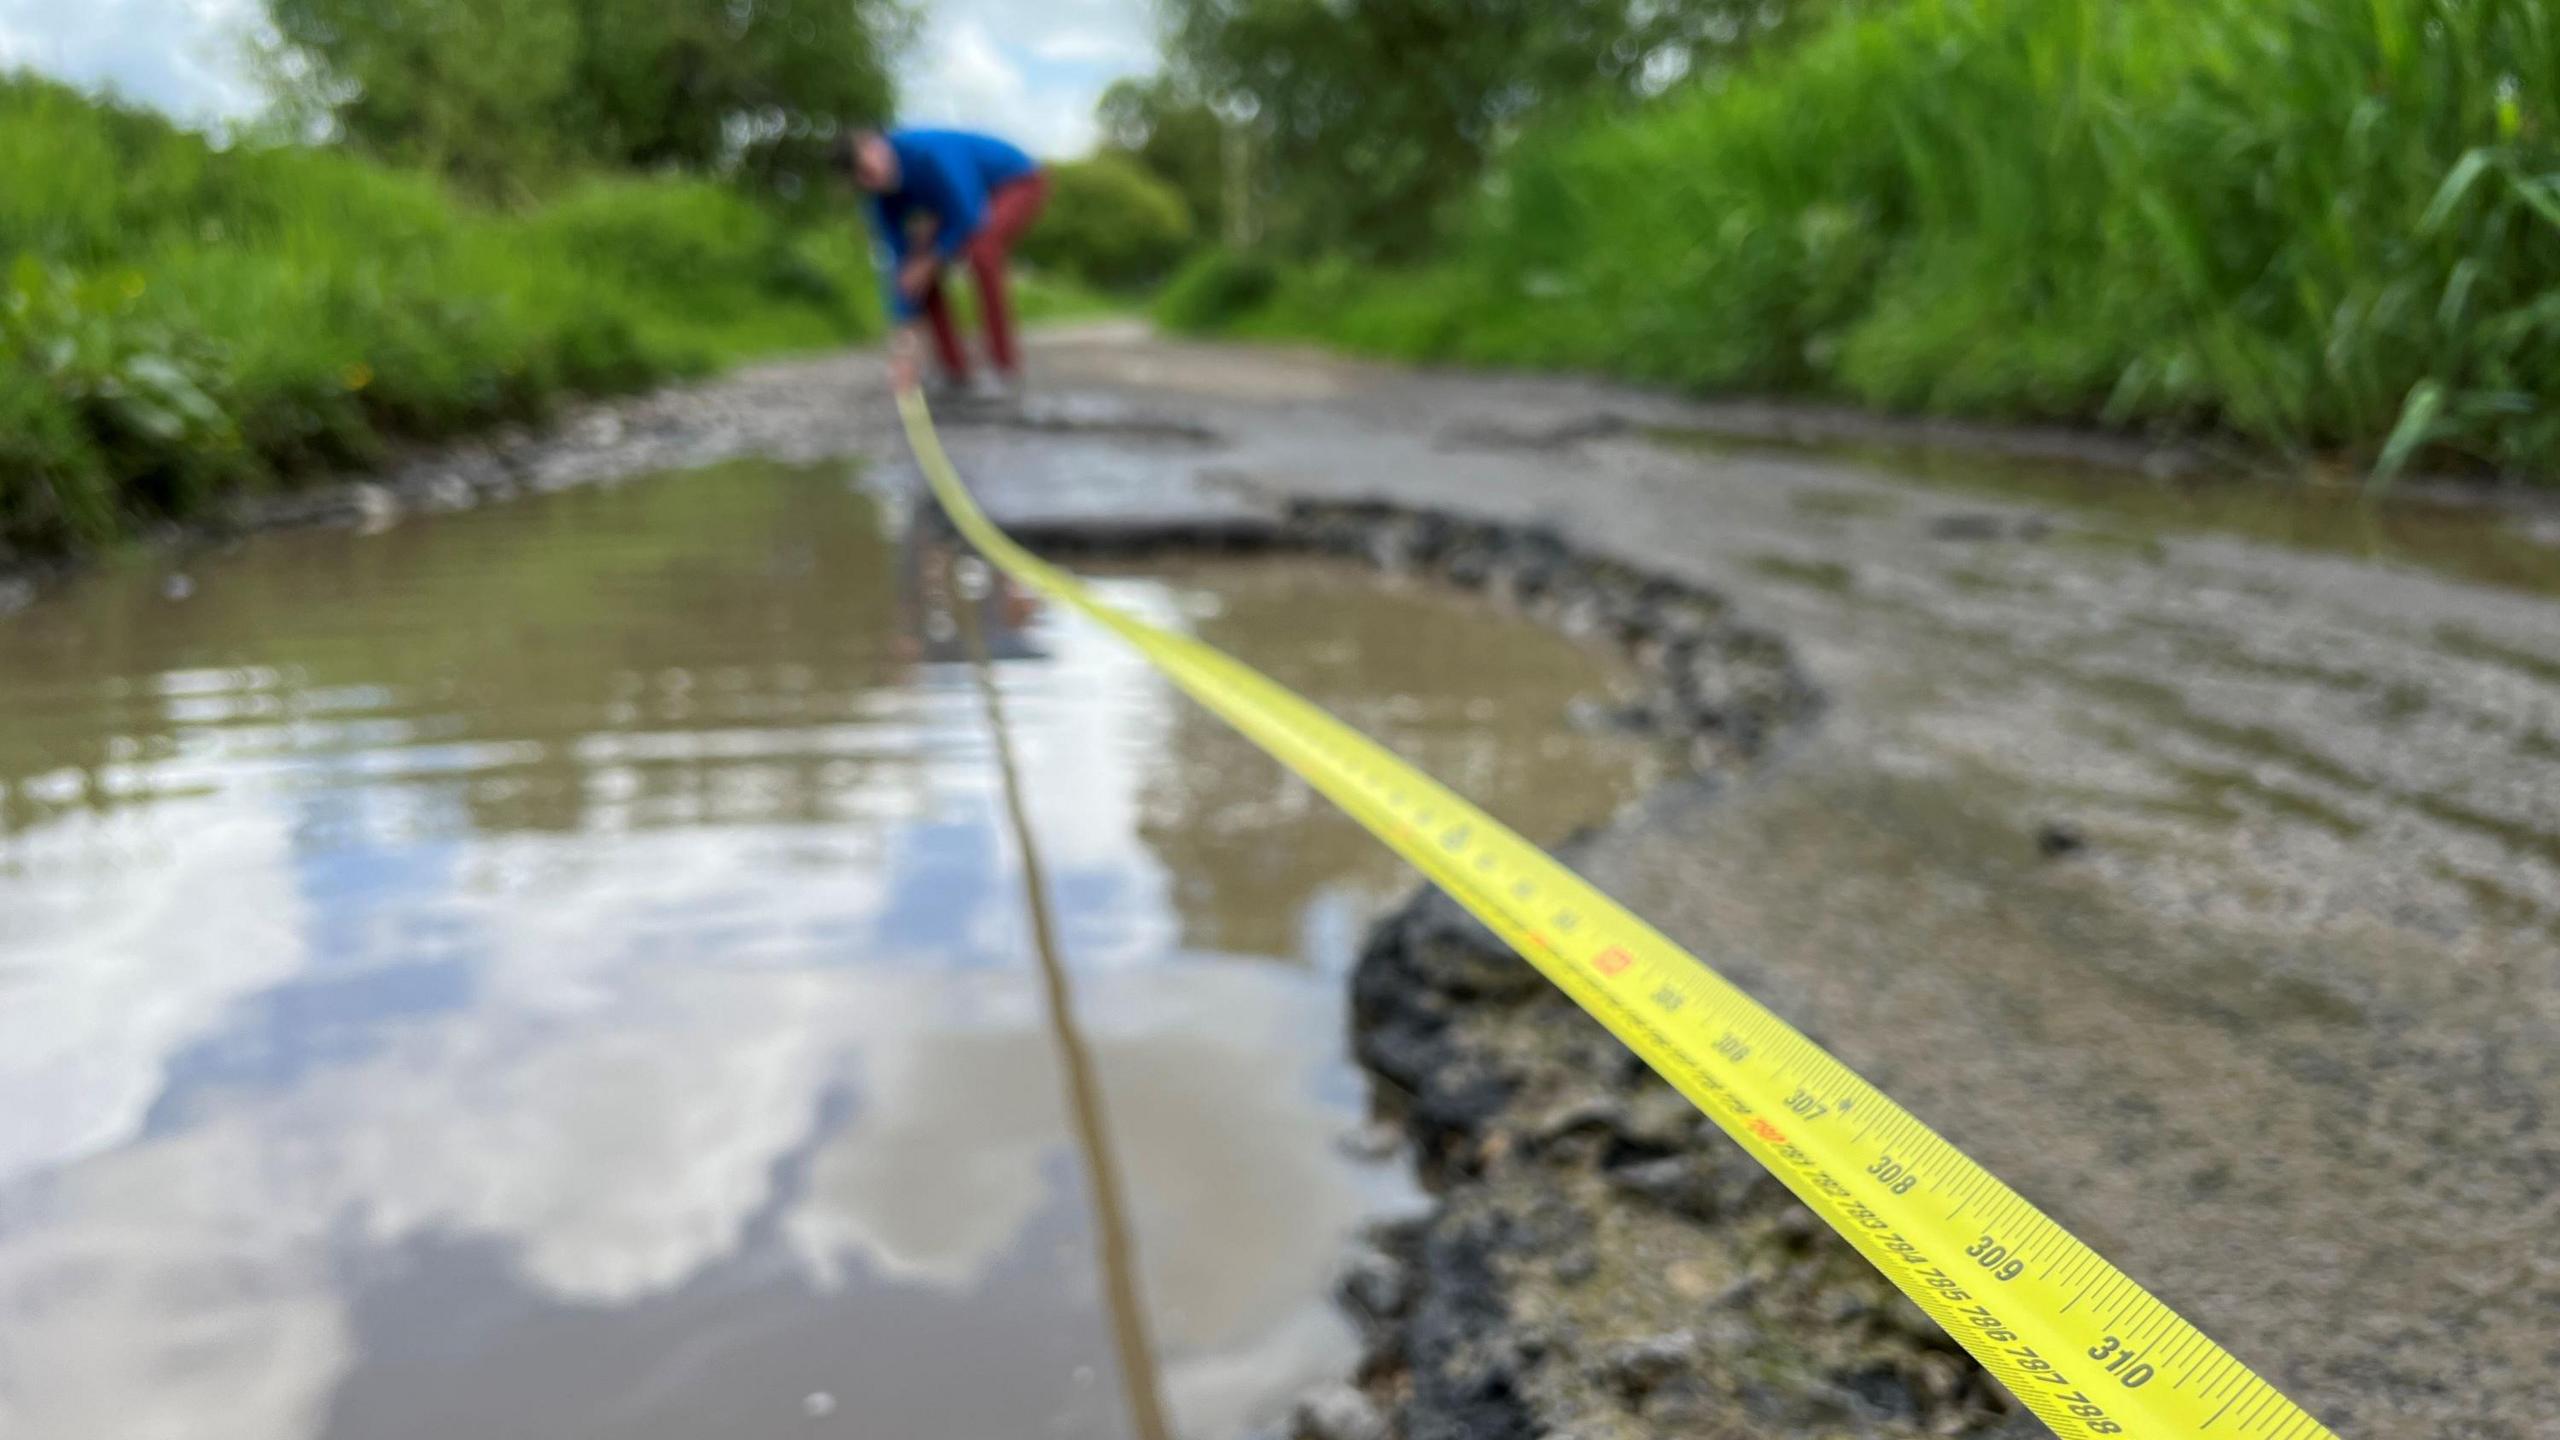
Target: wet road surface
{"points": [[2193, 862], [2190, 856]]}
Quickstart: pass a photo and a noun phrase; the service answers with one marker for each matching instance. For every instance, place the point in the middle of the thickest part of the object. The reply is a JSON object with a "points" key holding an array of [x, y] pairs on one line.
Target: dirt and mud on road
{"points": [[2190, 858]]}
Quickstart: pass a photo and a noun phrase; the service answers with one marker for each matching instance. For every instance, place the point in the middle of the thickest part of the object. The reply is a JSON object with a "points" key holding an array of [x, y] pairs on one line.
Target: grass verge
{"points": [[2325, 224], [181, 321]]}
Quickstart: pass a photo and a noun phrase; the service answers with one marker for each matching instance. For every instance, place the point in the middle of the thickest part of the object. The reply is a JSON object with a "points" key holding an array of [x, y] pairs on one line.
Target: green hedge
{"points": [[1110, 222], [179, 320], [2316, 223]]}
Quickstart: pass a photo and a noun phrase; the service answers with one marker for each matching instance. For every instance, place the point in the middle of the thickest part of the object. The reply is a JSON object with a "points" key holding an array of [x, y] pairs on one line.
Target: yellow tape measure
{"points": [[2088, 1350]]}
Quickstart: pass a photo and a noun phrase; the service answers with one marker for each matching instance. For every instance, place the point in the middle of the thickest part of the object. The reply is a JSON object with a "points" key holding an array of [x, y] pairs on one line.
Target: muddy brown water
{"points": [[563, 970]]}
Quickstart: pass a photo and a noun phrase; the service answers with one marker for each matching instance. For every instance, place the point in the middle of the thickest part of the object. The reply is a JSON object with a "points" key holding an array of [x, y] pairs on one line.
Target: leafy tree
{"points": [[503, 93], [1374, 117], [467, 87], [1165, 126], [1112, 222], [682, 82]]}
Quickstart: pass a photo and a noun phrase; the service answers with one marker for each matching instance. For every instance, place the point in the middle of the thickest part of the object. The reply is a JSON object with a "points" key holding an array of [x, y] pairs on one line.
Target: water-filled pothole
{"points": [[562, 969]]}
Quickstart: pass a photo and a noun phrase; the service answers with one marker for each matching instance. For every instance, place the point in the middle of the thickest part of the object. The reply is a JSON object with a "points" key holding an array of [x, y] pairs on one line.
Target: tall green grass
{"points": [[179, 320], [2313, 223]]}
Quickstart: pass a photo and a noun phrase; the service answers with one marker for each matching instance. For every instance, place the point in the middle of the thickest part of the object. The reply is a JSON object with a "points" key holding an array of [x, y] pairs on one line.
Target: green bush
{"points": [[1110, 223], [128, 397], [2325, 223], [1217, 290], [53, 486], [181, 321]]}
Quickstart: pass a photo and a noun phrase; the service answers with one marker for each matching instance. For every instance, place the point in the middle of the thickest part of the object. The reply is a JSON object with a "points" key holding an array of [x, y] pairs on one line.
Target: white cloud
{"points": [[614, 1169], [1027, 70], [969, 66], [1088, 47], [90, 1276], [943, 1164], [964, 77], [114, 968], [183, 56], [616, 1152], [618, 1149]]}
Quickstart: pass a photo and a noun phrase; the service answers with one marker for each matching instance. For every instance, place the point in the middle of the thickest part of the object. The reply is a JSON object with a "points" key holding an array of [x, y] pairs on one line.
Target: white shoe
{"points": [[989, 388]]}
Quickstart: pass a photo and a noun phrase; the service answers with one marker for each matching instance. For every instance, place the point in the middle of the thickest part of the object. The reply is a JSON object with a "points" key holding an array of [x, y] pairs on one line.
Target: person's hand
{"points": [[915, 278], [906, 354]]}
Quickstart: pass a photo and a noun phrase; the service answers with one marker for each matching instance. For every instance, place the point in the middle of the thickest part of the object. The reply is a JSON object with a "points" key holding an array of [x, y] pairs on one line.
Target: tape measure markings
{"points": [[1787, 1101]]}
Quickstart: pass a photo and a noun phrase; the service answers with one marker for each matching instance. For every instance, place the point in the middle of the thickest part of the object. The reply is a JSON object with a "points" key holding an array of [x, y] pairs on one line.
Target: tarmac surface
{"points": [[2205, 887]]}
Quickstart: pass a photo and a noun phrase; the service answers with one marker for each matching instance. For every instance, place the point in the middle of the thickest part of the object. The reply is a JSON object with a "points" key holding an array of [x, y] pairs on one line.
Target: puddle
{"points": [[563, 970], [2128, 510]]}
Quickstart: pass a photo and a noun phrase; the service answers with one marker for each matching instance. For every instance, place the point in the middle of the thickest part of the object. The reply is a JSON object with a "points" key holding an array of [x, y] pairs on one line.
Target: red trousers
{"points": [[1010, 211]]}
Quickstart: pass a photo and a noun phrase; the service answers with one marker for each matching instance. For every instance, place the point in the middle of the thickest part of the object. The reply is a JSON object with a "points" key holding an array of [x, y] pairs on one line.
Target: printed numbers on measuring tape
{"points": [[2085, 1348]]}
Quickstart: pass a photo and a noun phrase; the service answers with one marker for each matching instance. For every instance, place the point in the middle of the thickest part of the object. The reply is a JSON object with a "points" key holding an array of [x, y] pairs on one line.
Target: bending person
{"points": [[940, 197]]}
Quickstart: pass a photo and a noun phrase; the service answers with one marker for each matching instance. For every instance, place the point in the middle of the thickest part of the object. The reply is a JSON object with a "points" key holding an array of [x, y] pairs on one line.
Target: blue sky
{"points": [[1028, 69]]}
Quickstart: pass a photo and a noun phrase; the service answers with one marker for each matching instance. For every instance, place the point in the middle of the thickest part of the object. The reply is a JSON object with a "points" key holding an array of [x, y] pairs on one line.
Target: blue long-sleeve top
{"points": [[946, 174]]}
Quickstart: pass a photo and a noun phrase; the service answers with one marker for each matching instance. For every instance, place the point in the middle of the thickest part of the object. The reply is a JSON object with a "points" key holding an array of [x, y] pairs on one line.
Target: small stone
{"points": [[1391, 549], [1376, 1141], [1661, 1117], [1580, 616], [1839, 1307], [1337, 1412], [1727, 1334], [1797, 1225], [447, 493], [177, 587], [1884, 1391], [371, 506], [1587, 1111], [2055, 839], [1677, 1183], [1737, 1295], [1690, 1280], [1469, 565], [1640, 1366], [1532, 1343], [1939, 1378], [1373, 1286]]}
